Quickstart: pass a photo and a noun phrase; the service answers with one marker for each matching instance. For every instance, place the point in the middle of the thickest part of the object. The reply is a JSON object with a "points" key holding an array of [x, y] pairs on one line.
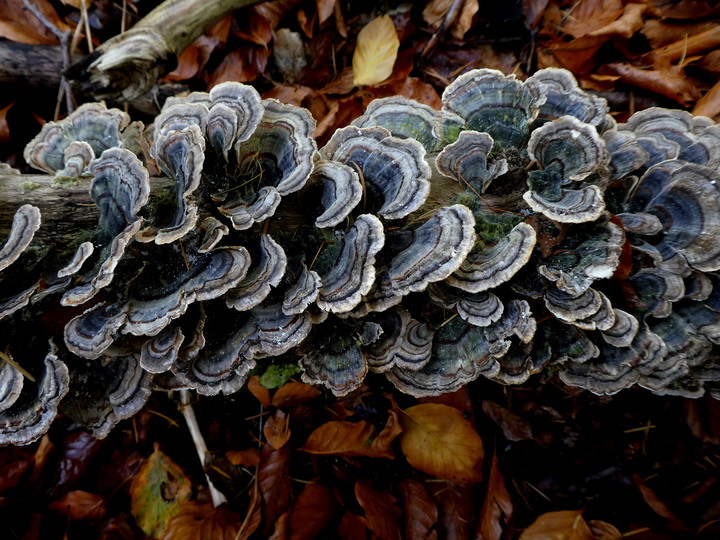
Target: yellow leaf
{"points": [[375, 52], [156, 493], [438, 440], [562, 525]]}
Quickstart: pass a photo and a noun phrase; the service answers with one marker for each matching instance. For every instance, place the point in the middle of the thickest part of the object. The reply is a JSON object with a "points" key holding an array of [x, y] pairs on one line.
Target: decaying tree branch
{"points": [[128, 65]]}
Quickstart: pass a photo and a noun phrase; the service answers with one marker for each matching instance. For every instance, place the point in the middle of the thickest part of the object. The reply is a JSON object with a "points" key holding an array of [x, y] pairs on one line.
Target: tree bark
{"points": [[128, 65]]}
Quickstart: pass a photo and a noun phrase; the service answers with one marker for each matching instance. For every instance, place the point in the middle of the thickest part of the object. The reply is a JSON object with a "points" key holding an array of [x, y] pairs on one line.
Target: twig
{"points": [[65, 39], [189, 414]]}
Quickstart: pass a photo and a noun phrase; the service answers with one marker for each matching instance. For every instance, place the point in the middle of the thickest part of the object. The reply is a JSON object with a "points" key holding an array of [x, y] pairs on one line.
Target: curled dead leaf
{"points": [[277, 429], [438, 440], [375, 52]]}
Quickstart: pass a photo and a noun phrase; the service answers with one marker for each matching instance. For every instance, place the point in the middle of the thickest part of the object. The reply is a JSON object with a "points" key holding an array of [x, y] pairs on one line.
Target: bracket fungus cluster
{"points": [[515, 231]]}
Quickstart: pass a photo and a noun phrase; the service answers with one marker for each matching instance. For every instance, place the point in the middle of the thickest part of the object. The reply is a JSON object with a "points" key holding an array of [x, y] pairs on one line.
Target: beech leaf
{"points": [[561, 525], [438, 440], [497, 508], [381, 511], [277, 429], [196, 520], [312, 512], [275, 484], [353, 439], [80, 505], [375, 52], [421, 513], [294, 393], [156, 493]]}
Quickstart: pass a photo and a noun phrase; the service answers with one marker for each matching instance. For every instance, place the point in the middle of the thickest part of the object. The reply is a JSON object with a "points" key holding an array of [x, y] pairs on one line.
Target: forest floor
{"points": [[540, 460]]}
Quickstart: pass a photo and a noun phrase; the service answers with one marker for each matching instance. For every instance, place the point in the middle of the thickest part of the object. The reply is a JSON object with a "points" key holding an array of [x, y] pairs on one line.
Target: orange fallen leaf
{"points": [[246, 458], [375, 52], [353, 439], [80, 505], [4, 127], [438, 440], [261, 393], [421, 513], [197, 520], [497, 508], [294, 393], [277, 429], [313, 510], [325, 8], [591, 15], [670, 81], [562, 525], [629, 22], [156, 493], [709, 104], [19, 25], [381, 511]]}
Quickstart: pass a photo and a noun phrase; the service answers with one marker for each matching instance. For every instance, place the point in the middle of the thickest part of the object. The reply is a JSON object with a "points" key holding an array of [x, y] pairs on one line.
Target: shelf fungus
{"points": [[518, 230]]}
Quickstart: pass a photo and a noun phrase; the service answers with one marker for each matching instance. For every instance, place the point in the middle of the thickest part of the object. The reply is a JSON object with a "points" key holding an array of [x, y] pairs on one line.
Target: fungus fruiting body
{"points": [[516, 231]]}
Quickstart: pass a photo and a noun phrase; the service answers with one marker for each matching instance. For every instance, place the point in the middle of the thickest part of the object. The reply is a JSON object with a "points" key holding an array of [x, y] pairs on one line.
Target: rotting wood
{"points": [[128, 65]]}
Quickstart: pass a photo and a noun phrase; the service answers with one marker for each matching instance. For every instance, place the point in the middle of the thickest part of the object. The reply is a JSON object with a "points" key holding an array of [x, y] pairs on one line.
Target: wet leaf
{"points": [[80, 505], [156, 493], [313, 510], [421, 513], [438, 440], [497, 508], [381, 511], [294, 393], [275, 484], [277, 429], [561, 525], [353, 439], [77, 452], [375, 52], [203, 522]]}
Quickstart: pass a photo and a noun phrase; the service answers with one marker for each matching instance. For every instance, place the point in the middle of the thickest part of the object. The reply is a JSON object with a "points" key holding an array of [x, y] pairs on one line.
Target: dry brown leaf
{"points": [[669, 81], [689, 46], [514, 428], [457, 509], [709, 104], [438, 440], [253, 516], [629, 22], [19, 25], [353, 439], [654, 502], [375, 52], [4, 127], [292, 394], [325, 8], [261, 393], [437, 12], [533, 11], [590, 15], [421, 513], [352, 527], [381, 511], [313, 510], [198, 520], [660, 33], [277, 429], [562, 525], [280, 532], [245, 458], [293, 95], [241, 65], [275, 484], [497, 508], [80, 505]]}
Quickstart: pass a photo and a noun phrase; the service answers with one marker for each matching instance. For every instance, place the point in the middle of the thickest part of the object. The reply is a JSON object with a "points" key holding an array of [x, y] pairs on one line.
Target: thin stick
{"points": [[189, 414]]}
